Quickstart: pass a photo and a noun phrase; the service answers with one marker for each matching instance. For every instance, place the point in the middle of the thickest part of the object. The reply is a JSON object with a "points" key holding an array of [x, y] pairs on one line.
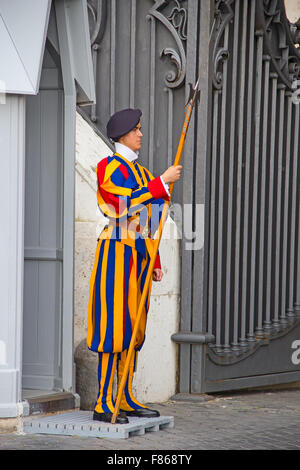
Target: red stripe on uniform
{"points": [[101, 169], [124, 171], [113, 200], [109, 198], [124, 306], [130, 264]]}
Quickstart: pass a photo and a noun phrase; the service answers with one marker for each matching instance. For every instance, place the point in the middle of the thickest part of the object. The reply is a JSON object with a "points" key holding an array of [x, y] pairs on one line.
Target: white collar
{"points": [[126, 152]]}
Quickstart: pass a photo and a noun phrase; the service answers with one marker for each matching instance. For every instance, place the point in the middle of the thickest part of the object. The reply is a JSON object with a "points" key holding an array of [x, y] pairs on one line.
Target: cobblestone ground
{"points": [[253, 420]]}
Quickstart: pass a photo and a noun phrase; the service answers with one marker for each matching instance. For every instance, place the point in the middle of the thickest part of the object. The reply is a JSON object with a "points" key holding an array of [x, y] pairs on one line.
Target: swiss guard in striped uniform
{"points": [[132, 200]]}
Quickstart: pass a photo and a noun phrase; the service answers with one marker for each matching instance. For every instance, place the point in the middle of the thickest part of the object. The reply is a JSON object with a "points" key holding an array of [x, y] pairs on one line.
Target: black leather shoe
{"points": [[106, 417], [142, 413]]}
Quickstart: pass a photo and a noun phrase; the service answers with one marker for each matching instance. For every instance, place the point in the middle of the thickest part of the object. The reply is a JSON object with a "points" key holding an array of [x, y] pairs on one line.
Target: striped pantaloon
{"points": [[116, 286], [106, 370]]}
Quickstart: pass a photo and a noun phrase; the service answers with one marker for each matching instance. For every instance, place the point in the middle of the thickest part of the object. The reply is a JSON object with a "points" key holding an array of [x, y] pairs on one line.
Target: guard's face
{"points": [[133, 139]]}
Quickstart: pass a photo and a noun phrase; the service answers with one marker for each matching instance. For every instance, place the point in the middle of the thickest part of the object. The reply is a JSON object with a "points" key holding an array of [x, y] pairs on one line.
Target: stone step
{"points": [[52, 402]]}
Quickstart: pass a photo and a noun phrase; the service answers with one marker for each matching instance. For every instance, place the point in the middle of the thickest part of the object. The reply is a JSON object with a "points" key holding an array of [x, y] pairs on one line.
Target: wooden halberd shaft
{"points": [[194, 94]]}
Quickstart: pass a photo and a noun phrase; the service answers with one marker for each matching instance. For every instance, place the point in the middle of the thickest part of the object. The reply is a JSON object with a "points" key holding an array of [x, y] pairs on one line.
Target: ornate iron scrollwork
{"points": [[223, 15], [280, 38], [175, 20], [178, 18]]}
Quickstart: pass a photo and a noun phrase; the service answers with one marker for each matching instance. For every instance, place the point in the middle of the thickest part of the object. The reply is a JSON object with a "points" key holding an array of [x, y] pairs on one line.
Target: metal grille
{"points": [[254, 260]]}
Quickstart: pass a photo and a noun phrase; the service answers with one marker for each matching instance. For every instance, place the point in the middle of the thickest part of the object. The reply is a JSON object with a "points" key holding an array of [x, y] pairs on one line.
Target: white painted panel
{"points": [[12, 119], [12, 74]]}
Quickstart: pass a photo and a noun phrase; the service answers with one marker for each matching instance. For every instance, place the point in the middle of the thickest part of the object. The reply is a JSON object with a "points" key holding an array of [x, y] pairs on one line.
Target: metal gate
{"points": [[253, 257], [240, 305]]}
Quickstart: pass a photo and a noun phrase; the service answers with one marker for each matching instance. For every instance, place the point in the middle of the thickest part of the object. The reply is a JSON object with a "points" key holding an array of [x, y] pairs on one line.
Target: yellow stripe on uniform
{"points": [[106, 370], [133, 169], [142, 170], [132, 290], [142, 325], [110, 187], [91, 304], [118, 296], [110, 386], [128, 401], [110, 168], [103, 320]]}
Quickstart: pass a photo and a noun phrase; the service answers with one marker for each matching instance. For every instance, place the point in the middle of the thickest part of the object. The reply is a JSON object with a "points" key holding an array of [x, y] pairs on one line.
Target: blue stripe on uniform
{"points": [[129, 401], [143, 279], [138, 170], [99, 374], [128, 328], [106, 383], [97, 313], [117, 177]]}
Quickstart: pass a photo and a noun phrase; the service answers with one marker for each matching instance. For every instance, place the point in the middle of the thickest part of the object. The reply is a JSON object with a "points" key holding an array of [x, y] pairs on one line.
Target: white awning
{"points": [[23, 31], [24, 27]]}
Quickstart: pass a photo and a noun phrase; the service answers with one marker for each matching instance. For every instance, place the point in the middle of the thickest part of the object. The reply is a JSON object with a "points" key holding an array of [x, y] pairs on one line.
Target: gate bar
{"points": [[287, 190], [292, 240], [260, 331], [240, 146], [269, 305]]}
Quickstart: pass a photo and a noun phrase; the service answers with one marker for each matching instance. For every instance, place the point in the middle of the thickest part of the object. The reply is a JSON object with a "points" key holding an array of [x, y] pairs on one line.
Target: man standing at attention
{"points": [[132, 200]]}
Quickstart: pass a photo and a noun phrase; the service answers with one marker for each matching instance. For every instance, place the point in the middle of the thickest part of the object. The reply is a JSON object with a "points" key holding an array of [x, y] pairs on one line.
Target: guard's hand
{"points": [[172, 174], [157, 275]]}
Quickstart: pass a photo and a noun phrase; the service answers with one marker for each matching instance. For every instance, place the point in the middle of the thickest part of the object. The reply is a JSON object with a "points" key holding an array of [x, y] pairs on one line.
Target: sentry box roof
{"points": [[24, 26], [23, 30]]}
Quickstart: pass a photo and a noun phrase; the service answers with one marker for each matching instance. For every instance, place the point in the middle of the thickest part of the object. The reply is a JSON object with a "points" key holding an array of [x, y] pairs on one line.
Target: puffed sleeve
{"points": [[118, 196]]}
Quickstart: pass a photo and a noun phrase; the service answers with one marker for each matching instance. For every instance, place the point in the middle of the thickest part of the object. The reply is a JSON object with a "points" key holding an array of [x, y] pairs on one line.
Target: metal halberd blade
{"points": [[194, 93]]}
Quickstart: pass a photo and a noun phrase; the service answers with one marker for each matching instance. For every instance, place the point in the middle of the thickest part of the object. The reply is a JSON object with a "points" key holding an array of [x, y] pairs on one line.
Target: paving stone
{"points": [[260, 420]]}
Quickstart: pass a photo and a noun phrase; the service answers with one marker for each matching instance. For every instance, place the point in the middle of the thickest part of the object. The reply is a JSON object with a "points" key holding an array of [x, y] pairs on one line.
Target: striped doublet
{"points": [[132, 200]]}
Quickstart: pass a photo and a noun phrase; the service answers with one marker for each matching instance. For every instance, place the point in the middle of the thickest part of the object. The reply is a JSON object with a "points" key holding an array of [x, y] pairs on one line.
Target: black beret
{"points": [[122, 122]]}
